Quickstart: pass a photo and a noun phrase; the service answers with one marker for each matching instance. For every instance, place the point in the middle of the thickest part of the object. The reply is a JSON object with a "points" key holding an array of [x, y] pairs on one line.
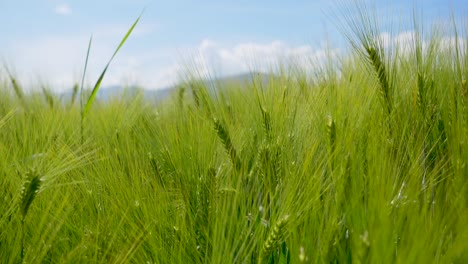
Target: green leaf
{"points": [[7, 117], [92, 97], [84, 72]]}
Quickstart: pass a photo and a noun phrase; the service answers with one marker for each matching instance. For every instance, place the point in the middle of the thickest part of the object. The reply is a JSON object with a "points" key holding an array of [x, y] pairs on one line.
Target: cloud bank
{"points": [[59, 60]]}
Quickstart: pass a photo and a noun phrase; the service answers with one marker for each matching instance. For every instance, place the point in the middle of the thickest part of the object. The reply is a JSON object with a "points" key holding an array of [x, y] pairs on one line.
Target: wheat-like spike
{"points": [[29, 191], [17, 88], [180, 95], [377, 61], [213, 185], [257, 161], [285, 94], [223, 134], [195, 94], [48, 96], [157, 169], [266, 122], [331, 132], [276, 236]]}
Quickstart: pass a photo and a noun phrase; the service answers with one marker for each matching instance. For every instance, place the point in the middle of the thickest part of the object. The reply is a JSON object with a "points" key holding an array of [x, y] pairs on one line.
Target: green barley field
{"points": [[364, 161]]}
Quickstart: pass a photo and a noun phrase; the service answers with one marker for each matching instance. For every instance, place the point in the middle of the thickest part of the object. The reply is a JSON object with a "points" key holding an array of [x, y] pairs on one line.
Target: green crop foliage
{"points": [[366, 162]]}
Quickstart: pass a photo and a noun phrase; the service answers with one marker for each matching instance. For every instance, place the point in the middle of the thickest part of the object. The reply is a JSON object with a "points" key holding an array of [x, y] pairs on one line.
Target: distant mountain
{"points": [[108, 92], [242, 79]]}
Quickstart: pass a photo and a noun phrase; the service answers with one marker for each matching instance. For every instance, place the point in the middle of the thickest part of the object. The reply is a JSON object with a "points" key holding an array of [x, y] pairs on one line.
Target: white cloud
{"points": [[451, 43], [63, 9], [218, 59], [213, 59], [405, 42], [60, 59]]}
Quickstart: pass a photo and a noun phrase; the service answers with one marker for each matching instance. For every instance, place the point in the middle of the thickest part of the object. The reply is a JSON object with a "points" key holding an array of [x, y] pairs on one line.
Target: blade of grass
{"points": [[81, 89], [84, 73], [7, 117], [92, 97]]}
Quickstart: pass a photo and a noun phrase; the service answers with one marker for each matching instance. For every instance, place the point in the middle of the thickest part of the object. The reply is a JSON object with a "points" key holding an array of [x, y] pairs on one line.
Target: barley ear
{"points": [[157, 169], [18, 90], [48, 96], [223, 134], [275, 237], [29, 191], [180, 95], [376, 59], [266, 122]]}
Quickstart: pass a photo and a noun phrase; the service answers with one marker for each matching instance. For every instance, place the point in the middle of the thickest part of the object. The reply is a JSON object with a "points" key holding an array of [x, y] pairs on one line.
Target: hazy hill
{"points": [[108, 92]]}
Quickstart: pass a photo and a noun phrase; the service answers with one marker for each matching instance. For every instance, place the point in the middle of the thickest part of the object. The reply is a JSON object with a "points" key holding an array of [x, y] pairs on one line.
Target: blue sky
{"points": [[46, 40]]}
